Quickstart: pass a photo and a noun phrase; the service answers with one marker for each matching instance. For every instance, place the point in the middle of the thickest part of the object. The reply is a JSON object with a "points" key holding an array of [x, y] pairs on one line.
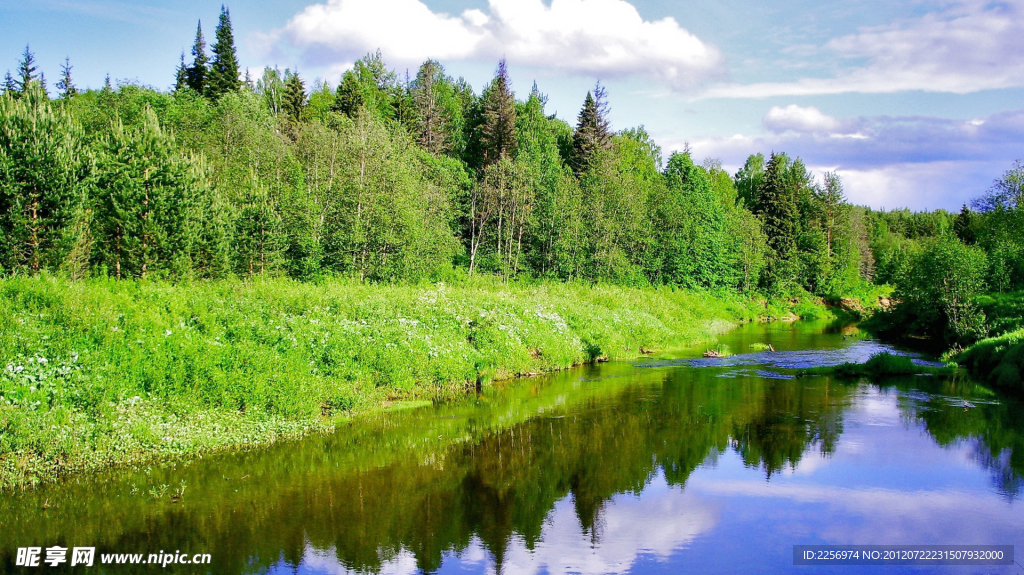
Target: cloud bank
{"points": [[604, 38], [968, 47], [887, 161]]}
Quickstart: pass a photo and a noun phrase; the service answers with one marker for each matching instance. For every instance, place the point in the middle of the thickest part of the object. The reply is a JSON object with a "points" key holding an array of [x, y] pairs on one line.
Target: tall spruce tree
{"points": [[349, 95], [196, 74], [498, 130], [26, 71], [181, 75], [294, 95], [223, 74], [65, 85], [593, 131], [776, 206], [430, 120]]}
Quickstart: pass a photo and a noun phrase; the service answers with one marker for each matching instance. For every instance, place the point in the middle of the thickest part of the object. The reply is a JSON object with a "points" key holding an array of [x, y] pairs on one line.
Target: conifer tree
{"points": [[593, 132], [349, 95], [429, 115], [147, 216], [108, 86], [196, 74], [10, 86], [181, 75], [65, 85], [776, 206], [498, 130], [223, 73], [294, 96], [45, 174], [26, 71]]}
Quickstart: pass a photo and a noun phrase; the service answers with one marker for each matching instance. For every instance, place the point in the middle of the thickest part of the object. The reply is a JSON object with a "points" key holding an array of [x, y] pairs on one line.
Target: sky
{"points": [[915, 104]]}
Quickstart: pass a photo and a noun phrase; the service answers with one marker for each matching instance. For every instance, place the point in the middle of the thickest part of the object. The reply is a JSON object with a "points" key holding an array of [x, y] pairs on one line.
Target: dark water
{"points": [[661, 466]]}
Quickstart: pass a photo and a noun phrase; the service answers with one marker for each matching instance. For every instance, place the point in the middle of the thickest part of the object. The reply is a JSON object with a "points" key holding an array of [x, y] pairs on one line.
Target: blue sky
{"points": [[916, 104]]}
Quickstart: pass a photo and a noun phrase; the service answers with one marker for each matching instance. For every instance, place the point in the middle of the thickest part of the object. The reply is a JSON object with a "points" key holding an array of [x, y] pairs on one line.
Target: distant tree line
{"points": [[389, 179]]}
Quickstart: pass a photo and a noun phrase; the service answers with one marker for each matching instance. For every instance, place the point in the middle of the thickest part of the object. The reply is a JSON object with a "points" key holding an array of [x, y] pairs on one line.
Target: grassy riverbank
{"points": [[999, 359], [100, 372]]}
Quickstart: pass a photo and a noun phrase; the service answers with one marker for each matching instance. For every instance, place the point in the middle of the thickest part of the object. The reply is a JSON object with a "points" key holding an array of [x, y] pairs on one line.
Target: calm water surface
{"points": [[657, 466]]}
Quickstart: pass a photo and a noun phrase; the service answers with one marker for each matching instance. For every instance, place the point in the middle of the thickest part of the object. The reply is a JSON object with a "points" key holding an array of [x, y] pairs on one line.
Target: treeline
{"points": [[387, 179], [940, 263]]}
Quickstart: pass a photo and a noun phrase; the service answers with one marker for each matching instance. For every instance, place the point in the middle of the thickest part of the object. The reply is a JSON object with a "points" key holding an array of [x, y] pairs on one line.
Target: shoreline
{"points": [[128, 374]]}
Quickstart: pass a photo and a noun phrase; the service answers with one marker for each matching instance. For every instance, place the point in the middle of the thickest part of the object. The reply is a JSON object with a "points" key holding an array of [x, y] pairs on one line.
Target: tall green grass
{"points": [[102, 372]]}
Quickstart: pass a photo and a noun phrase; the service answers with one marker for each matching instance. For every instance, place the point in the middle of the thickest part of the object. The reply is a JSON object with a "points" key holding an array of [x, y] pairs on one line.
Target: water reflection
{"points": [[604, 470]]}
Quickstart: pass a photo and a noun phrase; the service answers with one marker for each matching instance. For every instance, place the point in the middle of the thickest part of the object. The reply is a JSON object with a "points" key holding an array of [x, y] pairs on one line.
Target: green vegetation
{"points": [[203, 259], [100, 372], [880, 365]]}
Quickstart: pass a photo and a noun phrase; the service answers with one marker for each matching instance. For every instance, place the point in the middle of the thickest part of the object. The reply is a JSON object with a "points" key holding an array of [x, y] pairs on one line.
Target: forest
{"points": [[230, 179]]}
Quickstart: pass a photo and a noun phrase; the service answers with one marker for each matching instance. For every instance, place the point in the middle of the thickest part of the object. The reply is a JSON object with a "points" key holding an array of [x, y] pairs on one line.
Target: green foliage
{"points": [[148, 205], [880, 365], [593, 132], [998, 360], [223, 72], [293, 101], [497, 130], [103, 371], [196, 75], [46, 175], [938, 289]]}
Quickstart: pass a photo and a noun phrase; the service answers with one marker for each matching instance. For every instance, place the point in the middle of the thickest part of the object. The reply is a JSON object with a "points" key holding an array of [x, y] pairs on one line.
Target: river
{"points": [[678, 465]]}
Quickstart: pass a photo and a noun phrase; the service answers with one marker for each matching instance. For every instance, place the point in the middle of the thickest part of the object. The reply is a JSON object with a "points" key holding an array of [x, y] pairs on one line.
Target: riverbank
{"points": [[102, 373], [999, 359]]}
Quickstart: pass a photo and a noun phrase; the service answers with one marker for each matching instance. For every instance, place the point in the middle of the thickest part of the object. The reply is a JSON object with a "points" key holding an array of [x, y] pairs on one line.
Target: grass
{"points": [[999, 359], [883, 364], [101, 373]]}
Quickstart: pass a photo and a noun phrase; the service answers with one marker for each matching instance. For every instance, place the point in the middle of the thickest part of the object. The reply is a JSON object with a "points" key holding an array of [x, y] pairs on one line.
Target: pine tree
{"points": [[196, 74], [498, 130], [349, 95], [181, 75], [46, 172], [294, 96], [65, 85], [248, 83], [108, 86], [223, 74], [26, 71], [593, 132]]}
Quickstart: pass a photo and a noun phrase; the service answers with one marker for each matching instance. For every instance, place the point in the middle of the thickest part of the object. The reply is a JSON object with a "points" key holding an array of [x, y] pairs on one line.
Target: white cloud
{"points": [[885, 161], [799, 119], [606, 38], [968, 47]]}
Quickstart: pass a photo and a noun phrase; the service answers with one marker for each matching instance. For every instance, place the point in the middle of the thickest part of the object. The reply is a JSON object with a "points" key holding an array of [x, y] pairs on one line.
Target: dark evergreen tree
{"points": [[349, 95], [223, 74], [26, 71], [108, 86], [963, 226], [181, 75], [65, 85], [196, 74], [497, 133], [593, 132], [294, 96], [10, 86], [776, 206]]}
